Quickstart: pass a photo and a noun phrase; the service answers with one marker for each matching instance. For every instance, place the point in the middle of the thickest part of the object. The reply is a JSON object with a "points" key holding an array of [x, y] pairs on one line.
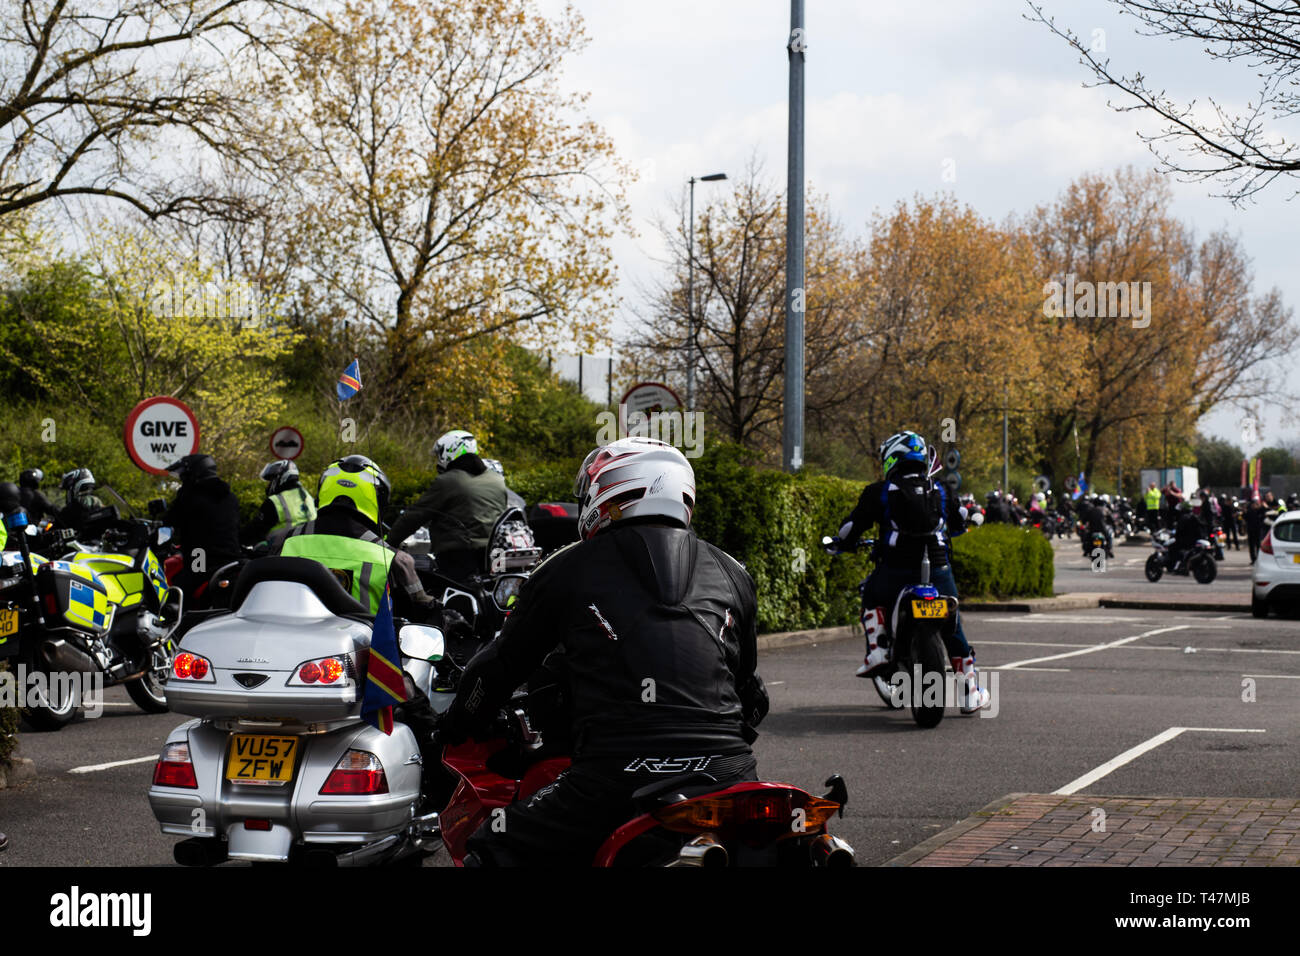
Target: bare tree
{"points": [[91, 93], [1245, 148]]}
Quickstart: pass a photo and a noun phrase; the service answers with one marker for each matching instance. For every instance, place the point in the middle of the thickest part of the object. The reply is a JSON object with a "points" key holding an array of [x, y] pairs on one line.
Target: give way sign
{"points": [[159, 431]]}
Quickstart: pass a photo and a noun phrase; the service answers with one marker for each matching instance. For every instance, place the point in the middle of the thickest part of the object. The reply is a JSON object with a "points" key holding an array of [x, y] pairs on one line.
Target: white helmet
{"points": [[452, 445], [1040, 497], [634, 478]]}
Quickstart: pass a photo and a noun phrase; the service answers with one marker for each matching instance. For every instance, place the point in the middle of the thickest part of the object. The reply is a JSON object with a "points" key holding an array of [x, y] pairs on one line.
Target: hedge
{"points": [[8, 727], [1002, 560]]}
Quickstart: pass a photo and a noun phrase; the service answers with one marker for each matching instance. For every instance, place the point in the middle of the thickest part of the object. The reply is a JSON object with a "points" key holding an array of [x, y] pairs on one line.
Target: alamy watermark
{"points": [[683, 429], [1101, 300], [188, 297], [22, 688]]}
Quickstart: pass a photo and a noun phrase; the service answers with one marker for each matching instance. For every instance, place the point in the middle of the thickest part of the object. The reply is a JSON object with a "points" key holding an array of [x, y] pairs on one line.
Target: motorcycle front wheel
{"points": [[1155, 568]]}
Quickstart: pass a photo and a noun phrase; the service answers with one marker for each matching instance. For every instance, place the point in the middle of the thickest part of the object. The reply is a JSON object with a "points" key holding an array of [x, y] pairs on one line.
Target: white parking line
{"points": [[1096, 647], [1275, 676], [116, 763], [1092, 776]]}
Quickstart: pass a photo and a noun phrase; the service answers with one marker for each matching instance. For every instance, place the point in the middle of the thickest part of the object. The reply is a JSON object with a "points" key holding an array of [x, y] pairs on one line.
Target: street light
{"points": [[690, 293]]}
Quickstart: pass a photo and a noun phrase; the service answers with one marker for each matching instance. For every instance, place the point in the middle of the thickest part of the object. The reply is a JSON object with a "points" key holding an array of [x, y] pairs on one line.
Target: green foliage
{"points": [[1218, 462], [1273, 461], [8, 728], [1003, 561]]}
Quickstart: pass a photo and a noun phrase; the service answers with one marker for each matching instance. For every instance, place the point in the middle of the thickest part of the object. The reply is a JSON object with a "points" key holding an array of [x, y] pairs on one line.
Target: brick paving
{"points": [[1038, 829]]}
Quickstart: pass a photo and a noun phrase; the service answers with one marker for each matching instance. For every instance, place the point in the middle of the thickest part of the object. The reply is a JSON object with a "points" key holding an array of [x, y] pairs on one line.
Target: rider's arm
{"points": [[749, 686], [532, 631], [419, 514], [866, 514], [265, 519]]}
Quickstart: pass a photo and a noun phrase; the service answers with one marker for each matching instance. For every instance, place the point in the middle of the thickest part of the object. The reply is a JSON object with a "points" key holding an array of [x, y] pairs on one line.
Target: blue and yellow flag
{"points": [[384, 683], [350, 381]]}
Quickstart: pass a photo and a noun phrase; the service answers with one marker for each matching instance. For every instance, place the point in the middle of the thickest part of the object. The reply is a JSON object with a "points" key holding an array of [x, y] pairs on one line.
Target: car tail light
{"points": [[1267, 544], [189, 666], [767, 813], [356, 774], [324, 670], [174, 767], [262, 825]]}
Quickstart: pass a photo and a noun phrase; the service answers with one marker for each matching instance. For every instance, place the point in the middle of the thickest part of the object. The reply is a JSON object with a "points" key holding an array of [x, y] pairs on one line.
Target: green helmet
{"points": [[905, 446], [360, 481]]}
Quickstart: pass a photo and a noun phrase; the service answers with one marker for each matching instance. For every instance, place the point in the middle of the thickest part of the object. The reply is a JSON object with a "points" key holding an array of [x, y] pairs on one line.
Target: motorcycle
{"points": [[107, 613], [688, 819], [278, 764], [1199, 560], [914, 640], [1092, 541]]}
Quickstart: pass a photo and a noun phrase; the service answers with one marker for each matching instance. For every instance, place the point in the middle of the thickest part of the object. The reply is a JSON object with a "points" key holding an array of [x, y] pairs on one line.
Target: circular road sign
{"points": [[952, 480], [286, 443], [1041, 483], [159, 431], [951, 459], [650, 397]]}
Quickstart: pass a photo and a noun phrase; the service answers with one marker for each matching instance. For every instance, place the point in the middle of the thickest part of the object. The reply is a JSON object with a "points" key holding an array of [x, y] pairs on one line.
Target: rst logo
{"points": [[668, 764]]}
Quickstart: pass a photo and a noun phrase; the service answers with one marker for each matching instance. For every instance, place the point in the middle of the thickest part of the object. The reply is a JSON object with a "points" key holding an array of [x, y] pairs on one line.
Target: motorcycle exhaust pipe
{"points": [[59, 655], [704, 850], [831, 852]]}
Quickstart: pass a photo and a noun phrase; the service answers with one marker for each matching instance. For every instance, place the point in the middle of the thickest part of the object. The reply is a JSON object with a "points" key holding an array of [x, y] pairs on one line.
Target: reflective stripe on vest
{"points": [[292, 514], [364, 562]]}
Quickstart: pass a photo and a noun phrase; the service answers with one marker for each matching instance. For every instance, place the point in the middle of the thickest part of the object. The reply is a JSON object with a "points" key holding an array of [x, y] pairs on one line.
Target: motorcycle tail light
{"points": [[187, 666], [357, 773], [1267, 544], [324, 670], [770, 813], [174, 767]]}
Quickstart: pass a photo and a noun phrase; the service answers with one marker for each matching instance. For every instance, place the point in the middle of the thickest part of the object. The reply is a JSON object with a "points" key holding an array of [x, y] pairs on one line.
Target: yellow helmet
{"points": [[358, 479]]}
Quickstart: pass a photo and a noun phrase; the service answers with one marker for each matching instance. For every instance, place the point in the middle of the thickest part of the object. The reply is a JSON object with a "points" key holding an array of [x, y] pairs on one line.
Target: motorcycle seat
{"points": [[663, 793], [303, 571]]}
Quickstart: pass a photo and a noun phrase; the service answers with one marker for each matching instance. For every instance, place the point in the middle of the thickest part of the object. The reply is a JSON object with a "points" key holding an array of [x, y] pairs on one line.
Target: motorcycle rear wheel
{"points": [[58, 711], [1204, 569], [934, 665], [1155, 568], [147, 690]]}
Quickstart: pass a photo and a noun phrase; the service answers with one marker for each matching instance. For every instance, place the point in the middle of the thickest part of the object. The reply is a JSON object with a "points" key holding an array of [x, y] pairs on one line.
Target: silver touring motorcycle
{"points": [[277, 764]]}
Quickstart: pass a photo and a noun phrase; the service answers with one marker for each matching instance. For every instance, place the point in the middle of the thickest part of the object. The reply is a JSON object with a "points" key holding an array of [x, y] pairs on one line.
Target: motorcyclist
{"points": [[80, 512], [34, 503], [204, 518], [1189, 530], [1096, 519], [915, 516], [460, 507], [995, 511], [10, 502], [345, 536], [659, 652], [287, 504]]}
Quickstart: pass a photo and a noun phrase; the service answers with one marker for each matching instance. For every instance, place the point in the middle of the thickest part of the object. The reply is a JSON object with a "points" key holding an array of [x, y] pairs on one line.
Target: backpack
{"points": [[917, 511]]}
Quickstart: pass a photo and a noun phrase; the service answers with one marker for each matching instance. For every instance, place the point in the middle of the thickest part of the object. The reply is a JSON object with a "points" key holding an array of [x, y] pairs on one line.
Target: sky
{"points": [[971, 99]]}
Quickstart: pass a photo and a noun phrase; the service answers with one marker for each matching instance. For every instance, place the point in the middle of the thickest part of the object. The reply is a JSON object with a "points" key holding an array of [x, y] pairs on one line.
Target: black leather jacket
{"points": [[658, 635]]}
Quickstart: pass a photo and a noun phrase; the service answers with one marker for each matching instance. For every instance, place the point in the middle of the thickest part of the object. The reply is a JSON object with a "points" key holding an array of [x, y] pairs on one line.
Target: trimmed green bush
{"points": [[1002, 560], [8, 728]]}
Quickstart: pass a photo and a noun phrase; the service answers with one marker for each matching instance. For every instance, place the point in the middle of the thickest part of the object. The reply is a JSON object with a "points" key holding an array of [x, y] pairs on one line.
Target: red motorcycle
{"points": [[686, 820]]}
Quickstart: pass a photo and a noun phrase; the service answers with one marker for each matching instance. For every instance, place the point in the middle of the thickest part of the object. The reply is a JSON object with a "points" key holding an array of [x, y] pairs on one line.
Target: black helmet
{"points": [[31, 478], [194, 468], [77, 483], [9, 497], [279, 475]]}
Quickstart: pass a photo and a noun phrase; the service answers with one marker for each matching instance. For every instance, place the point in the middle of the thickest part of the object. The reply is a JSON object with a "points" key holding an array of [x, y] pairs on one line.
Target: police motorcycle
{"points": [[278, 764], [104, 614]]}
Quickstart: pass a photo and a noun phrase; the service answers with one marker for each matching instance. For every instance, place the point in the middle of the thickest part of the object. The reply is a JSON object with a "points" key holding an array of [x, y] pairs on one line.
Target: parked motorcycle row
{"points": [[269, 660]]}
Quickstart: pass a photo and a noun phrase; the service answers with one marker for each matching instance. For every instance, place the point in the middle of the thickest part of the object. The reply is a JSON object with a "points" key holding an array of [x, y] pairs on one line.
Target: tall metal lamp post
{"points": [[690, 293]]}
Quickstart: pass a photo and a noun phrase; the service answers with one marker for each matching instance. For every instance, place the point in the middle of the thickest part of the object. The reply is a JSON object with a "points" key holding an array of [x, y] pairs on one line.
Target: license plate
{"points": [[1295, 557], [259, 759], [930, 608], [8, 623]]}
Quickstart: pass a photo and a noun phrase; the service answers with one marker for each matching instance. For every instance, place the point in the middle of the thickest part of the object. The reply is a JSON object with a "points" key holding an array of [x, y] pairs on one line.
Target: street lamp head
{"points": [[716, 177]]}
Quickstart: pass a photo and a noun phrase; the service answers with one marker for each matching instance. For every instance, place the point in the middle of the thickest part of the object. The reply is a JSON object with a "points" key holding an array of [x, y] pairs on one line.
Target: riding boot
{"points": [[873, 625], [970, 695]]}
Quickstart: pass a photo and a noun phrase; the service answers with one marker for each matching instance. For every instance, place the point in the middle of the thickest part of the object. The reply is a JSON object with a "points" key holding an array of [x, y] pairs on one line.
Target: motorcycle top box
{"points": [[286, 653]]}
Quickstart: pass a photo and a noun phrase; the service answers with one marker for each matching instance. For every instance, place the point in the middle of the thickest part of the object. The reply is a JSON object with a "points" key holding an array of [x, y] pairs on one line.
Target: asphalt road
{"points": [[1057, 719], [1124, 574]]}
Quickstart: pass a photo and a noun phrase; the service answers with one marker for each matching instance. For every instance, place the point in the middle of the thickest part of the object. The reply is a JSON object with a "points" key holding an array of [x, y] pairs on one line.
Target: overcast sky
{"points": [[897, 92]]}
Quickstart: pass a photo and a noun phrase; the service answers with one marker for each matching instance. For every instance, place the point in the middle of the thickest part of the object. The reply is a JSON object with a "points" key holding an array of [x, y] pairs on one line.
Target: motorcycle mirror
{"points": [[827, 541], [421, 642], [162, 536]]}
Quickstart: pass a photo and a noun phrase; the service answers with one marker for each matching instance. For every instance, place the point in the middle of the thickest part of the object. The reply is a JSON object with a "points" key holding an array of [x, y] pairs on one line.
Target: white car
{"points": [[1276, 577]]}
